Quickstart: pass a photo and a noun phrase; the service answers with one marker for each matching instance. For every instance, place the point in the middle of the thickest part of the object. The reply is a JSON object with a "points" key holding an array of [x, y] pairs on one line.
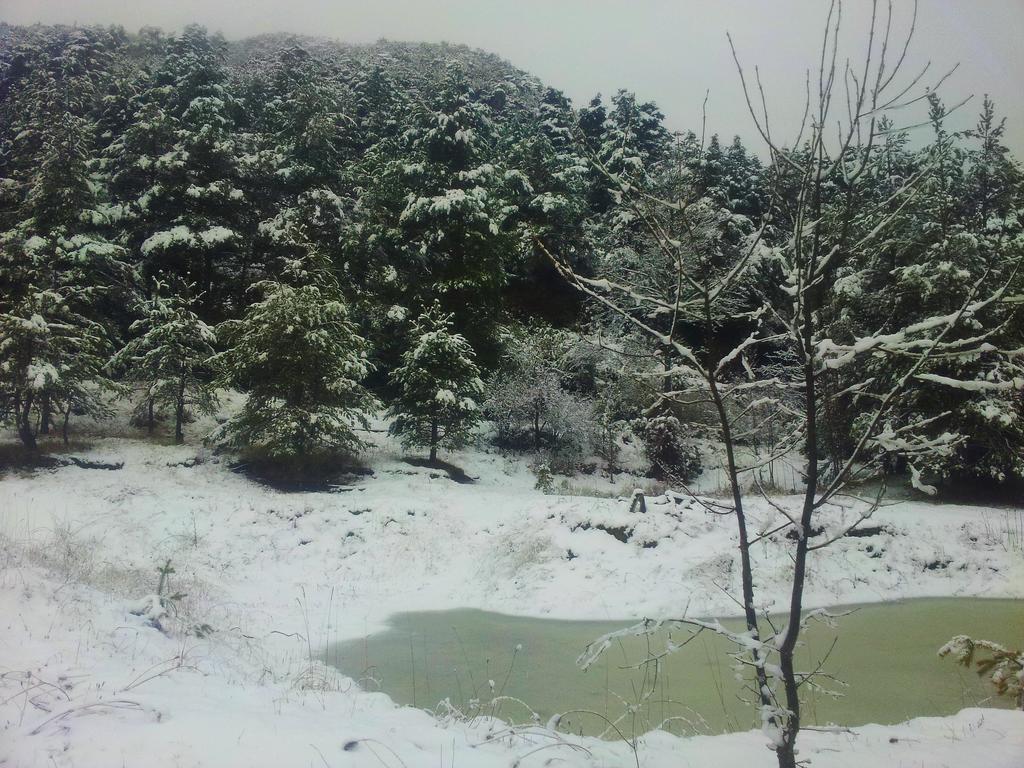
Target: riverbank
{"points": [[268, 578]]}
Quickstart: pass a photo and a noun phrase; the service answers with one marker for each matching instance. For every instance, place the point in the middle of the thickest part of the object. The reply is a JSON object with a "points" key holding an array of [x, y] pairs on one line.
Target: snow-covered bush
{"points": [[531, 399], [545, 478], [531, 410], [160, 608], [666, 445], [439, 386]]}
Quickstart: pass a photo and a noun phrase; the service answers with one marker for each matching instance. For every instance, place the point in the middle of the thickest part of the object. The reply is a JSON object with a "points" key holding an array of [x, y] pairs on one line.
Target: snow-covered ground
{"points": [[277, 576]]}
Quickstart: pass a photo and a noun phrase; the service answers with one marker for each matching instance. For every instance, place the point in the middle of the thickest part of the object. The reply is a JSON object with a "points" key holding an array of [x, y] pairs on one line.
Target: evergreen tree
{"points": [[134, 166], [631, 142], [301, 361], [186, 202], [554, 208], [434, 219], [293, 182], [456, 219], [55, 336], [955, 234], [731, 178], [167, 359], [377, 108], [745, 194], [634, 139], [439, 386]]}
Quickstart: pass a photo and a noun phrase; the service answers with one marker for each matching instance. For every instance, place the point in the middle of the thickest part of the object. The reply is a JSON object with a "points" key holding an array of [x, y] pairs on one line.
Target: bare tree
{"points": [[841, 132]]}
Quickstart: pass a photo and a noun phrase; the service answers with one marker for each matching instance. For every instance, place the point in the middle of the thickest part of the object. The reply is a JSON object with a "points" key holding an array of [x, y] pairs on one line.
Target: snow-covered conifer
{"points": [[178, 181], [959, 232], [456, 212], [301, 361], [555, 207], [439, 387], [55, 335], [167, 359]]}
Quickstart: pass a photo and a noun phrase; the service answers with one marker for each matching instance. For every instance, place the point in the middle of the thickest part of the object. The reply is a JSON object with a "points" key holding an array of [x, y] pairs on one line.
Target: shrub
{"points": [[672, 456]]}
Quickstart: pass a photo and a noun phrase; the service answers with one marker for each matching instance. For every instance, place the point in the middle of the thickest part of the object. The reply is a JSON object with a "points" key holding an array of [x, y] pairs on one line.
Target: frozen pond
{"points": [[885, 654]]}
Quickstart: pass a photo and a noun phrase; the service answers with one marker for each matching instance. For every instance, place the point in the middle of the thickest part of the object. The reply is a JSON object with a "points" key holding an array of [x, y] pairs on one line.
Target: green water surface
{"points": [[883, 662]]}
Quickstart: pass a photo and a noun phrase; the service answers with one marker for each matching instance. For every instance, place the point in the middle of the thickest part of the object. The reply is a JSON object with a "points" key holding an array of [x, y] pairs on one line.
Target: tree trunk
{"points": [[610, 451], [433, 441], [45, 414], [243, 276], [746, 568], [786, 751], [732, 469], [179, 413], [23, 417], [64, 427], [150, 419], [207, 281]]}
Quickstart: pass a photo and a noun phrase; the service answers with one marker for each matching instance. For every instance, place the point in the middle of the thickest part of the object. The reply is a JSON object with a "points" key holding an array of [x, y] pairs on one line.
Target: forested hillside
{"points": [[332, 228]]}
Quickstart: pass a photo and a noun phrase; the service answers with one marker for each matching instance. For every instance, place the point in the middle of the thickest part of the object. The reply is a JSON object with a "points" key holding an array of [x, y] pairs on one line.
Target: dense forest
{"points": [[333, 229]]}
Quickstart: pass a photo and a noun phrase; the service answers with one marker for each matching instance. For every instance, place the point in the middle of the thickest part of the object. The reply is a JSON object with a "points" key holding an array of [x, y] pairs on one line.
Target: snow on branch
{"points": [[976, 385]]}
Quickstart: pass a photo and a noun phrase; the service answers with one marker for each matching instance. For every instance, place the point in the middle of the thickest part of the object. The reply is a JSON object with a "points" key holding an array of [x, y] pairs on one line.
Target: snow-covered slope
{"points": [[279, 575]]}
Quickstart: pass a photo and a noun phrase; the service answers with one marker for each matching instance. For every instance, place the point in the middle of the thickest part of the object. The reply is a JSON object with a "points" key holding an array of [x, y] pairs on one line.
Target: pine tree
{"points": [[167, 358], [433, 219], [439, 386], [294, 180], [955, 234], [183, 190], [301, 361], [378, 104], [631, 141], [55, 336], [634, 139], [134, 165], [456, 218], [554, 207], [742, 172]]}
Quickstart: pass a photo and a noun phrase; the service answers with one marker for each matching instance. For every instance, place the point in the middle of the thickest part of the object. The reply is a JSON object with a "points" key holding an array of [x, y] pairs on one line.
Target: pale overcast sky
{"points": [[669, 51]]}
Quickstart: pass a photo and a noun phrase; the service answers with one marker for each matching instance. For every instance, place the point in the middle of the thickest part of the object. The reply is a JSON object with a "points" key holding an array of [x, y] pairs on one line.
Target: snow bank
{"points": [[277, 576]]}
